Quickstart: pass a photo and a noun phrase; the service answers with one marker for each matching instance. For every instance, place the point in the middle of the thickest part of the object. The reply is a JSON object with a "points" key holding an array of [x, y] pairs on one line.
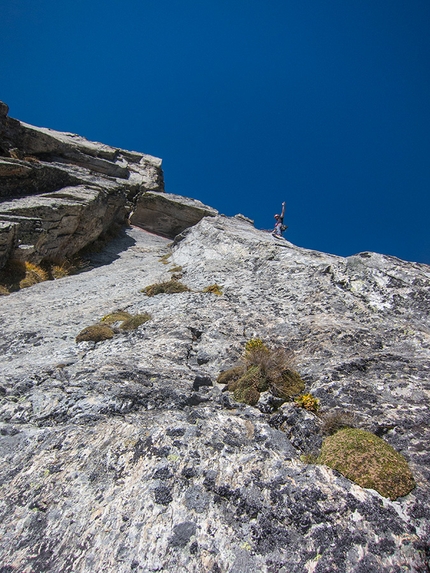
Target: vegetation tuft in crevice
{"points": [[260, 369], [17, 274], [168, 287], [104, 330], [214, 289], [308, 402], [135, 321], [95, 333]]}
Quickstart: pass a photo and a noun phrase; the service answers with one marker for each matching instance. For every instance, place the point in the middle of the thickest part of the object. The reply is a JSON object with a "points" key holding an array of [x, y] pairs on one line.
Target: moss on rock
{"points": [[118, 316], [369, 461], [95, 333], [135, 321]]}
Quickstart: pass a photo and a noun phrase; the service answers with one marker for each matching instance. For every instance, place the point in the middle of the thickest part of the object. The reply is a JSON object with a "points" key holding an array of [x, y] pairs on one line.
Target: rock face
{"points": [[59, 192], [126, 455], [167, 214]]}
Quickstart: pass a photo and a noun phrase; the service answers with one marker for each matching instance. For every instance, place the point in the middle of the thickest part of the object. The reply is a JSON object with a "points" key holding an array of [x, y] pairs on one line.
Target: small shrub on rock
{"points": [[262, 369], [249, 395], [95, 333], [169, 287], [286, 384], [308, 402], [369, 461], [135, 321]]}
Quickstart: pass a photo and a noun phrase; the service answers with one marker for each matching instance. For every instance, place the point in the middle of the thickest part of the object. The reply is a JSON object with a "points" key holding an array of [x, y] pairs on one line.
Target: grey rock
{"points": [[121, 456], [182, 532]]}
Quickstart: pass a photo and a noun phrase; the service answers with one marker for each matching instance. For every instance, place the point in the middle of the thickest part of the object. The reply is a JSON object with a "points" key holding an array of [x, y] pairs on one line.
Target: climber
{"points": [[279, 225]]}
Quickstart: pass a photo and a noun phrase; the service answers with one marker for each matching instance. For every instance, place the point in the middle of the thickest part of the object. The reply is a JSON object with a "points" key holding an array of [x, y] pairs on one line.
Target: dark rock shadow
{"points": [[110, 252]]}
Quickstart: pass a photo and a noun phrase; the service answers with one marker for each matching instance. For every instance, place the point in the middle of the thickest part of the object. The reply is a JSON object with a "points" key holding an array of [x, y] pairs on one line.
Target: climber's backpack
{"points": [[284, 228]]}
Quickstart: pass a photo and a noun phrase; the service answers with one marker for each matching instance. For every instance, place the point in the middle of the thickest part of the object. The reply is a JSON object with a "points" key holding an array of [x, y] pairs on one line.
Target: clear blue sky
{"points": [[322, 103]]}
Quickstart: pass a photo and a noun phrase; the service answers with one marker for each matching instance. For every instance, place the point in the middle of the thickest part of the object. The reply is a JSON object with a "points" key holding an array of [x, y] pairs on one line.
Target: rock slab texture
{"points": [[126, 455]]}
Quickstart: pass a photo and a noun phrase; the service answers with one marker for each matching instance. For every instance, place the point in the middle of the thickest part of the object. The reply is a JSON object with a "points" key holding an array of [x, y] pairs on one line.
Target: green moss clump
{"points": [[118, 316], [169, 287], [95, 333], [214, 289], [135, 321], [369, 461]]}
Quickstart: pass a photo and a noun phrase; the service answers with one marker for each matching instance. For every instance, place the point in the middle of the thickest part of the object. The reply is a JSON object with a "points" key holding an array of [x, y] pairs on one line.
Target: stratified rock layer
{"points": [[59, 192], [126, 455]]}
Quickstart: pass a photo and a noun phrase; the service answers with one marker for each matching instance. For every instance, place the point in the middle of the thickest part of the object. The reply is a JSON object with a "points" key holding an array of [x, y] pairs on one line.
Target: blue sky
{"points": [[322, 103]]}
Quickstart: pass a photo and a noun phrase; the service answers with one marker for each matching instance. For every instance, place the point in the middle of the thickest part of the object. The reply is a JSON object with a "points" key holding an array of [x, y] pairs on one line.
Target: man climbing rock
{"points": [[279, 225]]}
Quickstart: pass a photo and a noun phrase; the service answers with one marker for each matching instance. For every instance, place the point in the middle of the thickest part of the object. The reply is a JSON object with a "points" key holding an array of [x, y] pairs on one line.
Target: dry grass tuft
{"points": [[175, 269], [33, 275], [262, 369], [169, 287], [18, 274], [67, 267], [335, 421], [3, 291], [214, 289]]}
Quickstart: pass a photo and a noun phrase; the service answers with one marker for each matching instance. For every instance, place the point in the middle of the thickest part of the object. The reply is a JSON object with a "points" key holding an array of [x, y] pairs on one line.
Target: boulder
{"points": [[167, 214]]}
